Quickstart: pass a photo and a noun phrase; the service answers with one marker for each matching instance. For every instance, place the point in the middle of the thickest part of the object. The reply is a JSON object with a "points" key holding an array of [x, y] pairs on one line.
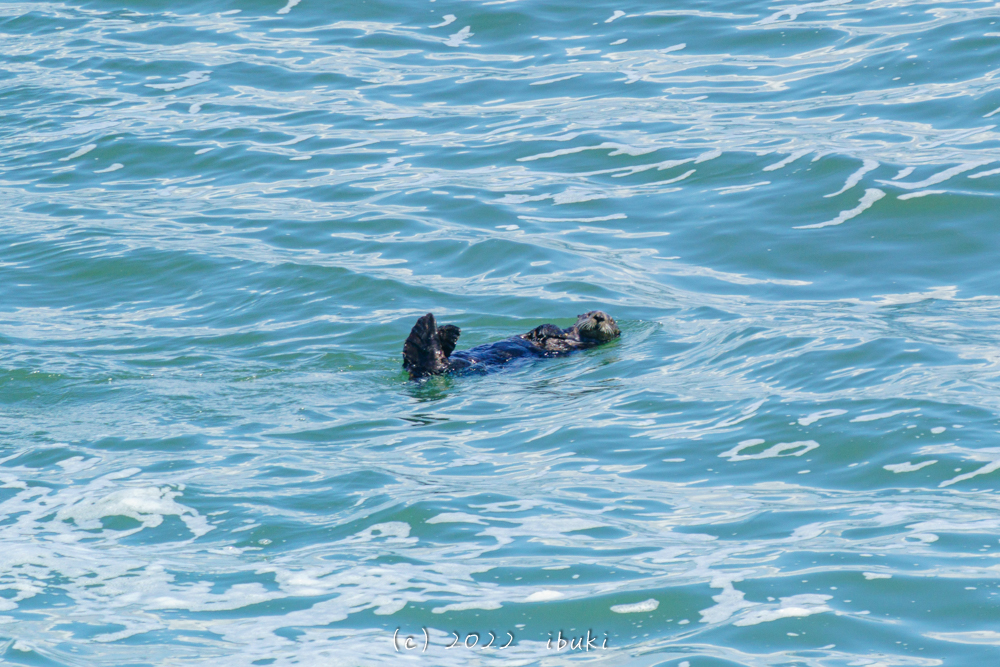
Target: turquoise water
{"points": [[221, 219]]}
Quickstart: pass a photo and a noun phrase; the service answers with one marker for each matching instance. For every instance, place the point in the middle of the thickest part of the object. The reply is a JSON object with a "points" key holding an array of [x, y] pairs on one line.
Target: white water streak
{"points": [[922, 193], [460, 37], [939, 177], [855, 178], [78, 152], [985, 470], [788, 160], [448, 20], [882, 415], [908, 467], [871, 196], [991, 172]]}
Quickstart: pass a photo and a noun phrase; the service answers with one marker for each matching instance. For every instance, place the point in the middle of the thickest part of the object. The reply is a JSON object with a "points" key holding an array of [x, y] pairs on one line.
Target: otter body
{"points": [[430, 350]]}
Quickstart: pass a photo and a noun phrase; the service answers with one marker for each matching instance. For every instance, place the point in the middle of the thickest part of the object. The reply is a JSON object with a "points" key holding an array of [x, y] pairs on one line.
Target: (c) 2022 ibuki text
{"points": [[472, 640]]}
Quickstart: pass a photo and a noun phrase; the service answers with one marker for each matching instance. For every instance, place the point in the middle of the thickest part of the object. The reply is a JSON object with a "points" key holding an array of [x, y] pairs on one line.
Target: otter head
{"points": [[597, 325]]}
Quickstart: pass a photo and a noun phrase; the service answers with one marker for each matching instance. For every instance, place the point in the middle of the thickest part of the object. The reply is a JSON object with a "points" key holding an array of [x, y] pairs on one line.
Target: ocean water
{"points": [[221, 219]]}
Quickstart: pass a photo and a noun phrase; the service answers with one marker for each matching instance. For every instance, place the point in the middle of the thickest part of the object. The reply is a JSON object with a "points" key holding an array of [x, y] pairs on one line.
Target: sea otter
{"points": [[430, 349]]}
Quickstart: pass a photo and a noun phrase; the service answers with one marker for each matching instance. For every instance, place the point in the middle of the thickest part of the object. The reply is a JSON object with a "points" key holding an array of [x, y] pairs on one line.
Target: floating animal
{"points": [[430, 349]]}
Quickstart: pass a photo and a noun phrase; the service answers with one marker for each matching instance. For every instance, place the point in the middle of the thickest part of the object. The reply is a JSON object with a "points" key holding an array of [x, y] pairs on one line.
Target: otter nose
{"points": [[599, 317]]}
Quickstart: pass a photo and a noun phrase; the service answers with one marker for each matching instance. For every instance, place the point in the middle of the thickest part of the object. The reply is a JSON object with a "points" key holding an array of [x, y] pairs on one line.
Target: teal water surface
{"points": [[221, 219]]}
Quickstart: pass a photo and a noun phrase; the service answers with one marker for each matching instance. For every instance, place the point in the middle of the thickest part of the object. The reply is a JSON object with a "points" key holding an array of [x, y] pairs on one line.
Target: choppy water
{"points": [[221, 219]]}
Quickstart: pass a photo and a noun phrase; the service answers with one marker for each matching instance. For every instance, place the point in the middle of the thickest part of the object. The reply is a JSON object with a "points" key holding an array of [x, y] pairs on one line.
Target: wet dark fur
{"points": [[430, 349]]}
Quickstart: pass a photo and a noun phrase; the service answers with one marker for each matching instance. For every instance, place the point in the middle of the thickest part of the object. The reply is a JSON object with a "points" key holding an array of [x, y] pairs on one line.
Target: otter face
{"points": [[597, 325]]}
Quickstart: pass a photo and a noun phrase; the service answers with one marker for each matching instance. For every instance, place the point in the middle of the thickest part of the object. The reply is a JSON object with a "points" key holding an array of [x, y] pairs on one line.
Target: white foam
{"points": [[543, 596], [287, 8], [985, 470], [794, 606], [124, 473], [617, 15], [199, 598], [456, 517], [147, 505], [939, 177], [728, 602], [617, 149], [788, 160], [988, 637], [741, 188], [538, 528], [486, 605], [781, 449], [922, 193], [793, 11], [555, 80], [701, 13], [115, 167], [991, 172], [876, 575], [602, 218], [908, 467], [882, 415], [460, 37], [636, 608], [822, 414], [576, 196], [871, 196], [80, 151], [392, 531], [76, 464], [926, 538], [855, 178], [188, 80], [448, 20], [708, 155]]}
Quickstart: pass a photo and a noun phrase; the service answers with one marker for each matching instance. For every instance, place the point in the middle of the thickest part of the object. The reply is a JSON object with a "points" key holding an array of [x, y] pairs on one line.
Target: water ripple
{"points": [[220, 223]]}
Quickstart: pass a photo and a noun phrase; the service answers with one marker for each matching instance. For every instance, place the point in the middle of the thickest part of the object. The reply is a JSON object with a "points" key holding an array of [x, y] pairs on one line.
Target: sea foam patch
{"points": [[794, 606], [147, 505], [908, 467], [781, 449], [636, 608]]}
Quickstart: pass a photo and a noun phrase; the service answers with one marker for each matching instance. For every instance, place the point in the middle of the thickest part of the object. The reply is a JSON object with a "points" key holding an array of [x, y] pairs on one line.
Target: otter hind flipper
{"points": [[422, 351], [448, 337]]}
